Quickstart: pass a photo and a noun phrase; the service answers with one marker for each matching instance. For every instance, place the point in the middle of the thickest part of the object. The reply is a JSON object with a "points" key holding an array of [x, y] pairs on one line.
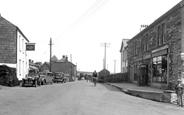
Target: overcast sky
{"points": [[80, 27]]}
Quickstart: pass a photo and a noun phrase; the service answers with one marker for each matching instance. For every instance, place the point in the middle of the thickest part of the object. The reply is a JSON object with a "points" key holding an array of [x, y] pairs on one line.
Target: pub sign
{"points": [[30, 46]]}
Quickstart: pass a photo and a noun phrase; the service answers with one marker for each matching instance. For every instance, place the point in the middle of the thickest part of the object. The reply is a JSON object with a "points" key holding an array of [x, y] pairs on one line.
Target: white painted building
{"points": [[13, 48], [123, 51]]}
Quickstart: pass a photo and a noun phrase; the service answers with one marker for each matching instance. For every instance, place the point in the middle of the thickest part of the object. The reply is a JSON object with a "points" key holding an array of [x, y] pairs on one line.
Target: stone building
{"points": [[155, 54], [62, 65]]}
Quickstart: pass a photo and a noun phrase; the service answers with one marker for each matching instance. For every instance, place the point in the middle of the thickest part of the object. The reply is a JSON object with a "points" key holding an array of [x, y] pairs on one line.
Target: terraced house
{"points": [[155, 55]]}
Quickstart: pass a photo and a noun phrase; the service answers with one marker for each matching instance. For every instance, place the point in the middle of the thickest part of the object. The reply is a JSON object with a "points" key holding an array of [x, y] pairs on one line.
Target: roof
{"points": [[54, 58], [177, 6], [6, 26], [123, 44], [61, 62]]}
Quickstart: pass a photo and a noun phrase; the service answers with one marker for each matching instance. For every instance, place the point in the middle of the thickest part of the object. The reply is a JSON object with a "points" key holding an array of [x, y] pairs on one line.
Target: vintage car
{"points": [[32, 79], [59, 77], [48, 76]]}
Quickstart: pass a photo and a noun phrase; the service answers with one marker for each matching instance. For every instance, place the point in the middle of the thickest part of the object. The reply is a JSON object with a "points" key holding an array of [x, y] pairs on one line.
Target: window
{"points": [[147, 43], [135, 47], [19, 66], [160, 69], [23, 46], [144, 43], [158, 36], [19, 43], [163, 33]]}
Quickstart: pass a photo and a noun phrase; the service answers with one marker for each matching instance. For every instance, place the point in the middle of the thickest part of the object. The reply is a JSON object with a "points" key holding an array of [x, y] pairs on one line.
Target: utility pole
{"points": [[71, 58], [105, 45], [114, 66], [50, 53]]}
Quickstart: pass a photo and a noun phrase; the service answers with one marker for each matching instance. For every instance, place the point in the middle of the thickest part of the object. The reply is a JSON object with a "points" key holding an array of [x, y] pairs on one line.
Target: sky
{"points": [[80, 28]]}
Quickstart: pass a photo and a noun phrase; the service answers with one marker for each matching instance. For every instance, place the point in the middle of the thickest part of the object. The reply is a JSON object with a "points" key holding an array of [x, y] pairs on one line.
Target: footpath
{"points": [[146, 92]]}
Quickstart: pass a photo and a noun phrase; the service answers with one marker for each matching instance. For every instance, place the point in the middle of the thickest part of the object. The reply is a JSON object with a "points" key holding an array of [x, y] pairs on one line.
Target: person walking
{"points": [[95, 77], [179, 92]]}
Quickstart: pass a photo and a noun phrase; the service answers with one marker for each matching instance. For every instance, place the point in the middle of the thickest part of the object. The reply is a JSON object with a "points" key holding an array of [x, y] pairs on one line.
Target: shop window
{"points": [[160, 69]]}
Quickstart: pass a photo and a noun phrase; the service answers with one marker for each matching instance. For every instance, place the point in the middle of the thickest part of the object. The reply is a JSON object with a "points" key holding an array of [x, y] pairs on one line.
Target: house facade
{"points": [[45, 67], [124, 60], [62, 65], [13, 48], [155, 55]]}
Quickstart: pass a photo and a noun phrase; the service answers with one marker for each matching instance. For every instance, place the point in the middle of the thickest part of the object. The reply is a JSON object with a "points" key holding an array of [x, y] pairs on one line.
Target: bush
{"points": [[117, 78], [8, 76]]}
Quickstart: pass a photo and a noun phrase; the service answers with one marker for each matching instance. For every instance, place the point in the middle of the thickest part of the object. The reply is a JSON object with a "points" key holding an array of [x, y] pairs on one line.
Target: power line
{"points": [[91, 10]]}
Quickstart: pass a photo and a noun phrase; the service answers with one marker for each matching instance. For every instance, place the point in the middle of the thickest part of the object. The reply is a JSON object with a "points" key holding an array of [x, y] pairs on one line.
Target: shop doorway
{"points": [[143, 75]]}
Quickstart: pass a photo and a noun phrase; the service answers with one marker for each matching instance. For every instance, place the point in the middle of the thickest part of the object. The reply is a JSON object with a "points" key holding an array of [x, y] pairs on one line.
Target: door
{"points": [[143, 75]]}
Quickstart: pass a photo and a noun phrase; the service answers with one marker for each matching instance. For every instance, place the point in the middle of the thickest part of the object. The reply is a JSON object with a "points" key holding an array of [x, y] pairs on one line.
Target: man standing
{"points": [[179, 92], [95, 77]]}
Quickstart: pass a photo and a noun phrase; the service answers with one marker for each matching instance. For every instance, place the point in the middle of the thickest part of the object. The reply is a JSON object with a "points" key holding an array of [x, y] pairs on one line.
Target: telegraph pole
{"points": [[114, 66], [105, 45], [50, 53]]}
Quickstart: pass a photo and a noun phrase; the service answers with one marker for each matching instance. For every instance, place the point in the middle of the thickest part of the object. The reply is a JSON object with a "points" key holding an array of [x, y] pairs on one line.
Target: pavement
{"points": [[146, 92]]}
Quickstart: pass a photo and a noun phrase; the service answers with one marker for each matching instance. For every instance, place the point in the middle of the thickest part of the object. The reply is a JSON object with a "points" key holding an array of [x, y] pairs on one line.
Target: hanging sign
{"points": [[30, 46]]}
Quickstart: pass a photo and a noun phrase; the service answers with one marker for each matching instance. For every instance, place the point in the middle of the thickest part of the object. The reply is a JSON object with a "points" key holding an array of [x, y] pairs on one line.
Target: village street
{"points": [[78, 98]]}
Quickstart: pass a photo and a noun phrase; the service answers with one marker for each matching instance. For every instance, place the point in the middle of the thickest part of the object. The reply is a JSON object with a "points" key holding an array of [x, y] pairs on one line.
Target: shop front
{"points": [[160, 67], [152, 69]]}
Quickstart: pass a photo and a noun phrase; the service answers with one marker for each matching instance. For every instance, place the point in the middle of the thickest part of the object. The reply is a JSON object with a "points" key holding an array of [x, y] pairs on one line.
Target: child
{"points": [[179, 92]]}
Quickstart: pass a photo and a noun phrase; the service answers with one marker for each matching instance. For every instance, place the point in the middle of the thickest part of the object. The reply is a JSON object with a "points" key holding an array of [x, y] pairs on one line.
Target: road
{"points": [[78, 98]]}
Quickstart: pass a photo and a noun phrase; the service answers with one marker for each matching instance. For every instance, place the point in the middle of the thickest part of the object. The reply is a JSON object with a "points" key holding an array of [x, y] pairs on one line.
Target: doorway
{"points": [[143, 75]]}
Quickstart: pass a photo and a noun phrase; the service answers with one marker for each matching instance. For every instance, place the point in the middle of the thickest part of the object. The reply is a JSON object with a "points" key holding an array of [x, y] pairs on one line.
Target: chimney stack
{"points": [[66, 58]]}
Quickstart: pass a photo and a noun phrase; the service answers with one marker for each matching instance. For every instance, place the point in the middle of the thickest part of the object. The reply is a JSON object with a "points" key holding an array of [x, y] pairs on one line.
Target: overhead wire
{"points": [[90, 11], [96, 6]]}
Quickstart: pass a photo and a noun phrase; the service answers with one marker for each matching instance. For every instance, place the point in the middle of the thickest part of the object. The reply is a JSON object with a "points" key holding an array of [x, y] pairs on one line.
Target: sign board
{"points": [[30, 46]]}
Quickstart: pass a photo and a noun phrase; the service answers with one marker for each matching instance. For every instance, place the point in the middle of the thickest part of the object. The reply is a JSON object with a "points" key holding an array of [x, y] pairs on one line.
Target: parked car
{"points": [[59, 77], [48, 76], [42, 79], [31, 79]]}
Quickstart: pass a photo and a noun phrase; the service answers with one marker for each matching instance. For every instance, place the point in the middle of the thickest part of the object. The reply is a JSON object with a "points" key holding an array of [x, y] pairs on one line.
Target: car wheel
{"points": [[36, 83], [45, 82], [22, 83]]}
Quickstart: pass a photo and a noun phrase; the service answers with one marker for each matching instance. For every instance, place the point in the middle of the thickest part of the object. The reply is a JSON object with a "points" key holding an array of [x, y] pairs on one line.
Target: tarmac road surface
{"points": [[78, 98]]}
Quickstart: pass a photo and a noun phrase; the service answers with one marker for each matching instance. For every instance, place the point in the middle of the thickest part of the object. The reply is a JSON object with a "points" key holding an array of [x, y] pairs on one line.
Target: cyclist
{"points": [[95, 77]]}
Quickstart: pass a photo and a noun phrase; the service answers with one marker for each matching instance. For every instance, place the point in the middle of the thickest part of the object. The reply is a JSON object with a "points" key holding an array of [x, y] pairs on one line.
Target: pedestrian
{"points": [[87, 78], [179, 92], [95, 77]]}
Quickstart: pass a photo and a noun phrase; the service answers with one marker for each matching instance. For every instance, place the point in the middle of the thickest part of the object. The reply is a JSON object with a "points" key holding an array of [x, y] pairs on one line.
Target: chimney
{"points": [[29, 60], [66, 58], [63, 56]]}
